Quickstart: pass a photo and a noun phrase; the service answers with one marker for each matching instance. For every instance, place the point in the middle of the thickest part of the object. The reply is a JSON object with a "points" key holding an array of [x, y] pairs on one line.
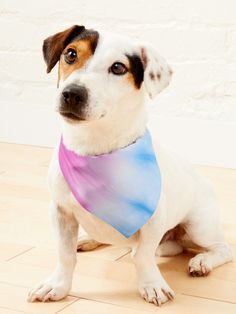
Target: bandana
{"points": [[121, 188]]}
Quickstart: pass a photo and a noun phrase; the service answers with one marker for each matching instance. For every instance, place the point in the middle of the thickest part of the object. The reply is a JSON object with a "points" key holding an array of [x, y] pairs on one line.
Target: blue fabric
{"points": [[121, 188]]}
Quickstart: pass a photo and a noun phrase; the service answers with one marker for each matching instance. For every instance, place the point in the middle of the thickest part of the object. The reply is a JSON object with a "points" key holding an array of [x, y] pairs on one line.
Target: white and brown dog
{"points": [[103, 79]]}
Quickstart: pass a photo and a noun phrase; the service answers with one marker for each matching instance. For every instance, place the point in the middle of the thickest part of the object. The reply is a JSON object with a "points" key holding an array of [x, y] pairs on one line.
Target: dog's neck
{"points": [[105, 135]]}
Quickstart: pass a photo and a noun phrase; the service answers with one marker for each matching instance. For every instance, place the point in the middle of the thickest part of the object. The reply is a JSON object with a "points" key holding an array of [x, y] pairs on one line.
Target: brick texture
{"points": [[198, 38]]}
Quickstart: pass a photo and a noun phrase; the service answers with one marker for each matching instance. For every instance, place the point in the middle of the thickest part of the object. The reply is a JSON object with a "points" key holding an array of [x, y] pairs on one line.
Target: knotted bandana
{"points": [[121, 188]]}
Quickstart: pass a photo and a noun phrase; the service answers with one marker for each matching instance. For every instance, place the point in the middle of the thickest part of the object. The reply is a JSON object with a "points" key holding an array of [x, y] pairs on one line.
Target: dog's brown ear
{"points": [[54, 45]]}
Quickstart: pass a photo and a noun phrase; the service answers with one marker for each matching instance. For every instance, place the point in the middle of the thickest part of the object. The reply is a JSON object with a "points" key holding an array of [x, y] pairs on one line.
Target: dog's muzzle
{"points": [[73, 101]]}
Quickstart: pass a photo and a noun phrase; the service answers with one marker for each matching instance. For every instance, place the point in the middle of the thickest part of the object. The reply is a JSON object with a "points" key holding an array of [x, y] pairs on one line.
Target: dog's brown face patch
{"points": [[84, 46], [84, 51], [136, 70]]}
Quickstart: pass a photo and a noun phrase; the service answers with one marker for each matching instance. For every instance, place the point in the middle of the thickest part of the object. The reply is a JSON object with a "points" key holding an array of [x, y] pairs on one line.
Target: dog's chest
{"points": [[95, 227]]}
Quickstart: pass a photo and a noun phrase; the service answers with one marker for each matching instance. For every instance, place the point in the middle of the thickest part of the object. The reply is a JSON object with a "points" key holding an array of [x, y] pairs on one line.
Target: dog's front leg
{"points": [[152, 286], [58, 284]]}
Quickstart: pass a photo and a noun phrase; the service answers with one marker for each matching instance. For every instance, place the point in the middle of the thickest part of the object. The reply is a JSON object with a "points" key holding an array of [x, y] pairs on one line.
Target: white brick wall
{"points": [[196, 116]]}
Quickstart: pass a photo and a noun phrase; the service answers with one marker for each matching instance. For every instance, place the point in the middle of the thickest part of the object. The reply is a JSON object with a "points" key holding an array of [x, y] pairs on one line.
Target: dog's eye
{"points": [[118, 68], [70, 56]]}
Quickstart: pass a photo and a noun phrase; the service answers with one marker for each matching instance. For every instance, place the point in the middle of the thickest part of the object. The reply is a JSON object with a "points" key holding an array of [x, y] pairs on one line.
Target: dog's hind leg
{"points": [[85, 242], [204, 230], [170, 244], [217, 253], [169, 248]]}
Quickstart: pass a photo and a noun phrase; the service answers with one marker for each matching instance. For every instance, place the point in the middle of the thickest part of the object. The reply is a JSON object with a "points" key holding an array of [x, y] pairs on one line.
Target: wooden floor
{"points": [[104, 281]]}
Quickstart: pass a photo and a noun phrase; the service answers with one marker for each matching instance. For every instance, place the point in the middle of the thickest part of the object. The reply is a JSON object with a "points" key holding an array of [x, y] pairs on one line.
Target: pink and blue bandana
{"points": [[121, 188]]}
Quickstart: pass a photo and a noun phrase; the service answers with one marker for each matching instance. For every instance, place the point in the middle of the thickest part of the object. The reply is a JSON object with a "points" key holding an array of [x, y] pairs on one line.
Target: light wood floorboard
{"points": [[104, 280]]}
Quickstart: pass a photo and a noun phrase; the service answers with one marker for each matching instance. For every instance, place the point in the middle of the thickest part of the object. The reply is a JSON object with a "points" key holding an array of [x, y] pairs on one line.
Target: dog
{"points": [[103, 79]]}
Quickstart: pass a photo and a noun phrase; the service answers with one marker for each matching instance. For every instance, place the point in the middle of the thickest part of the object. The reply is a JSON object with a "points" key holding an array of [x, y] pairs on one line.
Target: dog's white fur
{"points": [[116, 116]]}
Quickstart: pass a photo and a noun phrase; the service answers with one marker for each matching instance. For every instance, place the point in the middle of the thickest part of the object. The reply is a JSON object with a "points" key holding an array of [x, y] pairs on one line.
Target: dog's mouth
{"points": [[72, 116]]}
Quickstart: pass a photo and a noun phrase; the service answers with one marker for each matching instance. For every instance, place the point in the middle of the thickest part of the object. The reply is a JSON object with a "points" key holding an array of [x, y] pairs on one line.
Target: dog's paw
{"points": [[87, 244], [154, 292], [48, 291], [200, 265]]}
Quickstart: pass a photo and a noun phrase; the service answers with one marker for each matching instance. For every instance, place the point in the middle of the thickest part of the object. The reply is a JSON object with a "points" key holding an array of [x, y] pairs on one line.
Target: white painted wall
{"points": [[195, 117]]}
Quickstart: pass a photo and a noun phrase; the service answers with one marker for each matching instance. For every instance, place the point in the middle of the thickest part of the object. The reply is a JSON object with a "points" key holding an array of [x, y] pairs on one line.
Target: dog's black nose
{"points": [[73, 96]]}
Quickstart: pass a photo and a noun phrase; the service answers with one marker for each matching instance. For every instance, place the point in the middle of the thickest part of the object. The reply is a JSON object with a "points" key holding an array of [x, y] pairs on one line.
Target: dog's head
{"points": [[101, 72]]}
